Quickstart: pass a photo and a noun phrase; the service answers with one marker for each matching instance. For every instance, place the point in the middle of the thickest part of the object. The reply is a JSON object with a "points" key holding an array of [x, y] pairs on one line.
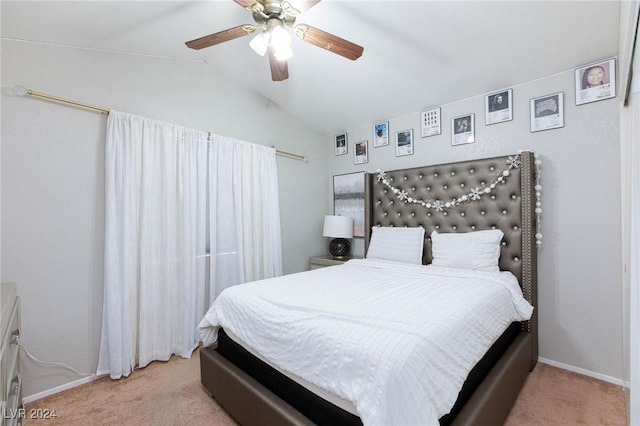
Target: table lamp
{"points": [[338, 228]]}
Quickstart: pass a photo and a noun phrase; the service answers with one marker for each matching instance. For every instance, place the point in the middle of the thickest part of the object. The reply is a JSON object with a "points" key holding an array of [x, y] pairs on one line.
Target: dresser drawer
{"points": [[9, 350]]}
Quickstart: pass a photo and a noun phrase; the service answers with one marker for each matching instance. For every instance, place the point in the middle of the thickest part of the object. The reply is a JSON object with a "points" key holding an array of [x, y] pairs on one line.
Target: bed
{"points": [[486, 196]]}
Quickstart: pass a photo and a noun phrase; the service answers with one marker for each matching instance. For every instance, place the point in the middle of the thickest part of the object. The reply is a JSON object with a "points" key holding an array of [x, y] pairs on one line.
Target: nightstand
{"points": [[323, 261]]}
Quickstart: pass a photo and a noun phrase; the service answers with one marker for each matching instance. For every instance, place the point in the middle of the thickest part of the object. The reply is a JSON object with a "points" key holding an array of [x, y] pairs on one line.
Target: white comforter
{"points": [[396, 340]]}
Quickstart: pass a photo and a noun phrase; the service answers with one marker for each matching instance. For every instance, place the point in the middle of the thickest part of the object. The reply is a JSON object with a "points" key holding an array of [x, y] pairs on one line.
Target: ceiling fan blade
{"points": [[328, 41], [220, 37], [279, 69], [304, 5]]}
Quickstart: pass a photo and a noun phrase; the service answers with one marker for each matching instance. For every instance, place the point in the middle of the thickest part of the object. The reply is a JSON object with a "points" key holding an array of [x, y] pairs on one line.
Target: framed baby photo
{"points": [[497, 107], [596, 81], [381, 134], [360, 153], [463, 129], [547, 112], [340, 144], [404, 143]]}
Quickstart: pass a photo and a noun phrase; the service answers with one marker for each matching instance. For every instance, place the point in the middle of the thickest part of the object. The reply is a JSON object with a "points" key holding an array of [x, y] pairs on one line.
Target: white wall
{"points": [[580, 309], [53, 180]]}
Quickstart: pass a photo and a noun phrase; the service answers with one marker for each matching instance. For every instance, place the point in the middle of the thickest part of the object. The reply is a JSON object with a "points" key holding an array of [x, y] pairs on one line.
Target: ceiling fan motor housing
{"points": [[272, 10]]}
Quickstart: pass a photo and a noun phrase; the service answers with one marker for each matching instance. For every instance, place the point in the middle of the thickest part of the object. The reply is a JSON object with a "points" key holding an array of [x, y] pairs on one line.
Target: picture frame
{"points": [[430, 123], [547, 112], [595, 81], [381, 134], [341, 145], [404, 142], [498, 107], [360, 152], [348, 199], [463, 129]]}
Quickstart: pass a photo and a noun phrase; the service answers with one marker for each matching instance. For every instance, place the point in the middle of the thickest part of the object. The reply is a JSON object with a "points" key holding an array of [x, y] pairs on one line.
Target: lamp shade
{"points": [[337, 227]]}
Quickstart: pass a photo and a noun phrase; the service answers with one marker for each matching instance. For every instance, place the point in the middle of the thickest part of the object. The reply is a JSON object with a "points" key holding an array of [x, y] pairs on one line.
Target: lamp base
{"points": [[339, 248]]}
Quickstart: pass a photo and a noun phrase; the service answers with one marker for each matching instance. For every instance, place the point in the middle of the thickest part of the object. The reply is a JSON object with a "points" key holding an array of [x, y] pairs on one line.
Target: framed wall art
{"points": [[360, 153], [348, 199], [430, 123], [595, 82], [498, 108], [404, 143], [463, 129], [547, 112], [340, 144], [381, 134]]}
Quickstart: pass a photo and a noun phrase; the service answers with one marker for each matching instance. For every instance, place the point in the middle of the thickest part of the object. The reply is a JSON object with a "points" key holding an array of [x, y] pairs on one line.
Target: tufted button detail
{"points": [[471, 170], [504, 243], [453, 173], [437, 226], [399, 214], [482, 212], [462, 185], [515, 227], [492, 168], [385, 191], [435, 174], [462, 214], [404, 178], [385, 213], [444, 213], [413, 188], [493, 197], [412, 214], [392, 201], [428, 188], [516, 259], [473, 227], [513, 196], [420, 176], [454, 227], [429, 214], [445, 187], [378, 202], [504, 212]]}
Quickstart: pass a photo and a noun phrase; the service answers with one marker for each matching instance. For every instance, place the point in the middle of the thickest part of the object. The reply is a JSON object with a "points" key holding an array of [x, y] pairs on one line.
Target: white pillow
{"points": [[397, 244], [479, 250]]}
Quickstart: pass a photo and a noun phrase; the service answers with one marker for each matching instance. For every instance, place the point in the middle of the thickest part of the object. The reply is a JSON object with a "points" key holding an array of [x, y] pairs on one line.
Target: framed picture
{"points": [[381, 134], [404, 143], [497, 107], [340, 144], [360, 153], [348, 199], [463, 129], [595, 82], [547, 112], [430, 123]]}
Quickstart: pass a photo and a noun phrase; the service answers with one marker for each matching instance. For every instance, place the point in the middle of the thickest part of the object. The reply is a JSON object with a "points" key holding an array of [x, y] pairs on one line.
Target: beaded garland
{"points": [[501, 176]]}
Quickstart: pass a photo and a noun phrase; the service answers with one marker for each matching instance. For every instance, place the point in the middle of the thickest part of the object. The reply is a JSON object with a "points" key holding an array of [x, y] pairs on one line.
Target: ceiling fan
{"points": [[273, 19]]}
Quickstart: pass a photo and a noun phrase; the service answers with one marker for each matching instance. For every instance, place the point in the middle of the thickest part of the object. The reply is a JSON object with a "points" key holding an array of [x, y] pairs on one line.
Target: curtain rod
{"points": [[23, 91]]}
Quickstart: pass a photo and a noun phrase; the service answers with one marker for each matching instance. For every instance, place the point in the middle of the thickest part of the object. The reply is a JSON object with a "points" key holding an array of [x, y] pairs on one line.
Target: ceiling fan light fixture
{"points": [[260, 43], [280, 41]]}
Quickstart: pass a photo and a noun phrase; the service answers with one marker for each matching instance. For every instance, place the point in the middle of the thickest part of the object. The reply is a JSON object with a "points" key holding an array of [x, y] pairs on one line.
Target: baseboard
{"points": [[584, 372], [40, 395]]}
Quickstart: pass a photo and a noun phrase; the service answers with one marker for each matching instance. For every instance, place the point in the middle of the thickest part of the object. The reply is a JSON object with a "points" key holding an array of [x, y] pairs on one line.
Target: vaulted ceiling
{"points": [[417, 54]]}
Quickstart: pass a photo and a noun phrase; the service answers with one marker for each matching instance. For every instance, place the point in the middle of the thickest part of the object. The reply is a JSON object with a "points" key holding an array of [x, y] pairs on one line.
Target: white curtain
{"points": [[245, 239], [162, 199]]}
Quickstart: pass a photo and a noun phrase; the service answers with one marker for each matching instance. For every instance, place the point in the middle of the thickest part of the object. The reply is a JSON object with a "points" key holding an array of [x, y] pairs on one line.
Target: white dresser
{"points": [[11, 382]]}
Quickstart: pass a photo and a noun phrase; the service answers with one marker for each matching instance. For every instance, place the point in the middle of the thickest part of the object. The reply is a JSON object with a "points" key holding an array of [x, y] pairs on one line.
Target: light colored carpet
{"points": [[170, 393]]}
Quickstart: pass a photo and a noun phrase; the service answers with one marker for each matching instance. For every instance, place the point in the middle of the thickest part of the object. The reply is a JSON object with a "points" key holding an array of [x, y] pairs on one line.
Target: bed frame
{"points": [[510, 207]]}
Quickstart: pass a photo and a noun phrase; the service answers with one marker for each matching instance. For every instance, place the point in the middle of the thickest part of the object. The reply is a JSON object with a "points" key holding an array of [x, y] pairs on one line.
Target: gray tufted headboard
{"points": [[509, 207]]}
